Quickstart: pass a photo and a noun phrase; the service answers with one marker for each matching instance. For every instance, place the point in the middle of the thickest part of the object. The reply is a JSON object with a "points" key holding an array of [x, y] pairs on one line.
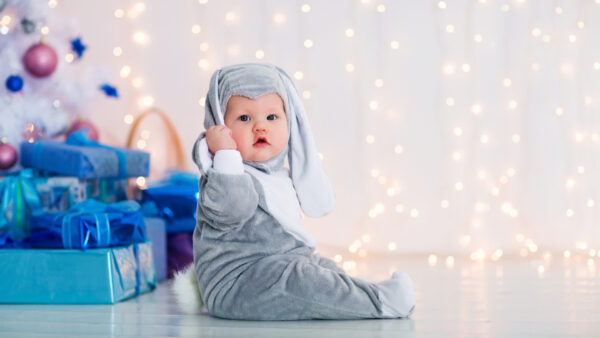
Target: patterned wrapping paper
{"points": [[96, 276], [84, 161], [59, 193], [89, 224]]}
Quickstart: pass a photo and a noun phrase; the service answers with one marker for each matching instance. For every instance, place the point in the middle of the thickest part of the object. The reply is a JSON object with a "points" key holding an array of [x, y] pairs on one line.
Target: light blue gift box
{"points": [[95, 276], [156, 232]]}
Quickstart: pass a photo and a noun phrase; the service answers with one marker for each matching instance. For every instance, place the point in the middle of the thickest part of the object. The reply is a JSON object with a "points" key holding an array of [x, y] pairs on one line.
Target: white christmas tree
{"points": [[41, 95]]}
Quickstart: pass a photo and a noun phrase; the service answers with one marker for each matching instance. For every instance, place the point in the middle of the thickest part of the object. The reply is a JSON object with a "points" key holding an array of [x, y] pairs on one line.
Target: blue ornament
{"points": [[78, 47], [109, 90], [14, 83]]}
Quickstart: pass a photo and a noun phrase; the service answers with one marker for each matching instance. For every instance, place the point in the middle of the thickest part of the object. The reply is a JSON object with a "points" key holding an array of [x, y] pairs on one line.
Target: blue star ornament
{"points": [[109, 90], [78, 47]]}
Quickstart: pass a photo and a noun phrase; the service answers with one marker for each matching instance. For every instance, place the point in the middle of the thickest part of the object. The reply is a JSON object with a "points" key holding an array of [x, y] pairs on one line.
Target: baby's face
{"points": [[259, 127]]}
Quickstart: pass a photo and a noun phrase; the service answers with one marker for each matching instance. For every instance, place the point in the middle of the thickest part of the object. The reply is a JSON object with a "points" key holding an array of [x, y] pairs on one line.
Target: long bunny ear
{"points": [[213, 115], [312, 185]]}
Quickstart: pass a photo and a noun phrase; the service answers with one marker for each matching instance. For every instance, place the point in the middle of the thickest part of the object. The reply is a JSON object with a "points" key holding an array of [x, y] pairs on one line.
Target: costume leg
{"points": [[327, 263], [292, 287]]}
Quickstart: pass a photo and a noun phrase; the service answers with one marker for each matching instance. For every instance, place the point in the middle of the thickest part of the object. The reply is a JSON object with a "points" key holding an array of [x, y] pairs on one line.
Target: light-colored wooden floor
{"points": [[513, 297]]}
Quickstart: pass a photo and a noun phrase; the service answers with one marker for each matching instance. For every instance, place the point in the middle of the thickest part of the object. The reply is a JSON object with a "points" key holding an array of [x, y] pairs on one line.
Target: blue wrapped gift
{"points": [[89, 224], [84, 158], [18, 201], [156, 233], [174, 199], [96, 276], [59, 193]]}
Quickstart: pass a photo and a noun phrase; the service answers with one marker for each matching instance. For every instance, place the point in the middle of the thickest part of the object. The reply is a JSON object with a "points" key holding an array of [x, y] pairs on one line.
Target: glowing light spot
{"points": [[373, 105], [370, 139], [125, 71], [279, 18], [203, 64], [231, 16], [349, 32], [140, 38]]}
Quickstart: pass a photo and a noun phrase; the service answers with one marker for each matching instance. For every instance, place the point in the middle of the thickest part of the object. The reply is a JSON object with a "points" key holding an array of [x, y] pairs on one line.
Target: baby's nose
{"points": [[259, 127]]}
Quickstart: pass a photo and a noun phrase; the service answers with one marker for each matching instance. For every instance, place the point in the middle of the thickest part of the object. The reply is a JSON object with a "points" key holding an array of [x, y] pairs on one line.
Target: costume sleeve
{"points": [[226, 201]]}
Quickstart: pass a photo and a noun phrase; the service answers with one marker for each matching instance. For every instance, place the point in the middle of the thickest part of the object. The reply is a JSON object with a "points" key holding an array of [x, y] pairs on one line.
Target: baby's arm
{"points": [[228, 198]]}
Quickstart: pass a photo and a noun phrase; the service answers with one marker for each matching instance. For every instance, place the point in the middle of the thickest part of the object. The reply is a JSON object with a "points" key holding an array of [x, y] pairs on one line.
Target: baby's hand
{"points": [[219, 138]]}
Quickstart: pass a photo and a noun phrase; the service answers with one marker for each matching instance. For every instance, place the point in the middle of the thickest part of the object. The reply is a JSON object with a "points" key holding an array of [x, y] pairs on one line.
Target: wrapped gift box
{"points": [[18, 201], [89, 224], [156, 233], [173, 199], [84, 161], [59, 193], [96, 276]]}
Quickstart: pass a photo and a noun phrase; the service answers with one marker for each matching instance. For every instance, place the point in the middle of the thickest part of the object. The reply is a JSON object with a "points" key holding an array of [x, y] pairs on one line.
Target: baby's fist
{"points": [[219, 138]]}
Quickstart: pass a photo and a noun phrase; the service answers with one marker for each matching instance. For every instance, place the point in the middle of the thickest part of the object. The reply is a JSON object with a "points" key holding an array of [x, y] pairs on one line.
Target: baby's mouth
{"points": [[261, 141]]}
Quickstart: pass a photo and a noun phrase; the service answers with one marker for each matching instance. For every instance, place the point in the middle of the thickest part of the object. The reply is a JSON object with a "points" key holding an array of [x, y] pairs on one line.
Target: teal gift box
{"points": [[59, 193], [58, 276]]}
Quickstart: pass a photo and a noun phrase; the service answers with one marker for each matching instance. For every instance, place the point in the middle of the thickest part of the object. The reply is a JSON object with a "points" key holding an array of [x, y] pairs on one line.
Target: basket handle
{"points": [[170, 127]]}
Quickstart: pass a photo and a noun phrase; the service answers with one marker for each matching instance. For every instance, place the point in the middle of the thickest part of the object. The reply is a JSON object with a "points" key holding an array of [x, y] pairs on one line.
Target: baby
{"points": [[252, 258]]}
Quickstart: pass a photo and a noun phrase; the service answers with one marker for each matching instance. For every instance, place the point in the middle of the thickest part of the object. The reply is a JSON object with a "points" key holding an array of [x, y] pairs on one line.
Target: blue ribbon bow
{"points": [[99, 229]]}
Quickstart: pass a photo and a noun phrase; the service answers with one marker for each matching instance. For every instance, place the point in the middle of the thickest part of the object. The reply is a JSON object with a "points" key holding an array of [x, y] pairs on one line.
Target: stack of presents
{"points": [[69, 233]]}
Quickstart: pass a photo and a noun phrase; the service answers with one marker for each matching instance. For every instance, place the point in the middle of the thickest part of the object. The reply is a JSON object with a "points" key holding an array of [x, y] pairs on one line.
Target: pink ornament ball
{"points": [[85, 126], [8, 156], [40, 60]]}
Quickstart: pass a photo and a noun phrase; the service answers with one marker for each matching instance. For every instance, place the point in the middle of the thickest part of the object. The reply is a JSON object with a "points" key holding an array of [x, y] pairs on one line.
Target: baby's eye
{"points": [[272, 117], [244, 118]]}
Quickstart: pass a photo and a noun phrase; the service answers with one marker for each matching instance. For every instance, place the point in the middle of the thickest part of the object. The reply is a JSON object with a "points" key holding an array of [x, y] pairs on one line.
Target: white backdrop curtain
{"points": [[445, 126]]}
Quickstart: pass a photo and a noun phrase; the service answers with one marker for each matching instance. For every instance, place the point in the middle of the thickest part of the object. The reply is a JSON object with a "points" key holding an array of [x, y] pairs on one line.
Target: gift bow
{"points": [[19, 189], [100, 230]]}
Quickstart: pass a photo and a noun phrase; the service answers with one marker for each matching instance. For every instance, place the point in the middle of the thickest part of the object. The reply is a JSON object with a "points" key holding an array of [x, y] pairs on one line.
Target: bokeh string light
{"points": [[485, 142]]}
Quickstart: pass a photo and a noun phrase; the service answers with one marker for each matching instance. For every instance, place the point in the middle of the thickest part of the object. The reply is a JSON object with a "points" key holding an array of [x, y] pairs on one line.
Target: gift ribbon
{"points": [[19, 189], [79, 138], [101, 227]]}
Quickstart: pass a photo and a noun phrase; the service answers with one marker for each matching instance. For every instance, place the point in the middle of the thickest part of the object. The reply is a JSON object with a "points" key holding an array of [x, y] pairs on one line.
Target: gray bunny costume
{"points": [[251, 260]]}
